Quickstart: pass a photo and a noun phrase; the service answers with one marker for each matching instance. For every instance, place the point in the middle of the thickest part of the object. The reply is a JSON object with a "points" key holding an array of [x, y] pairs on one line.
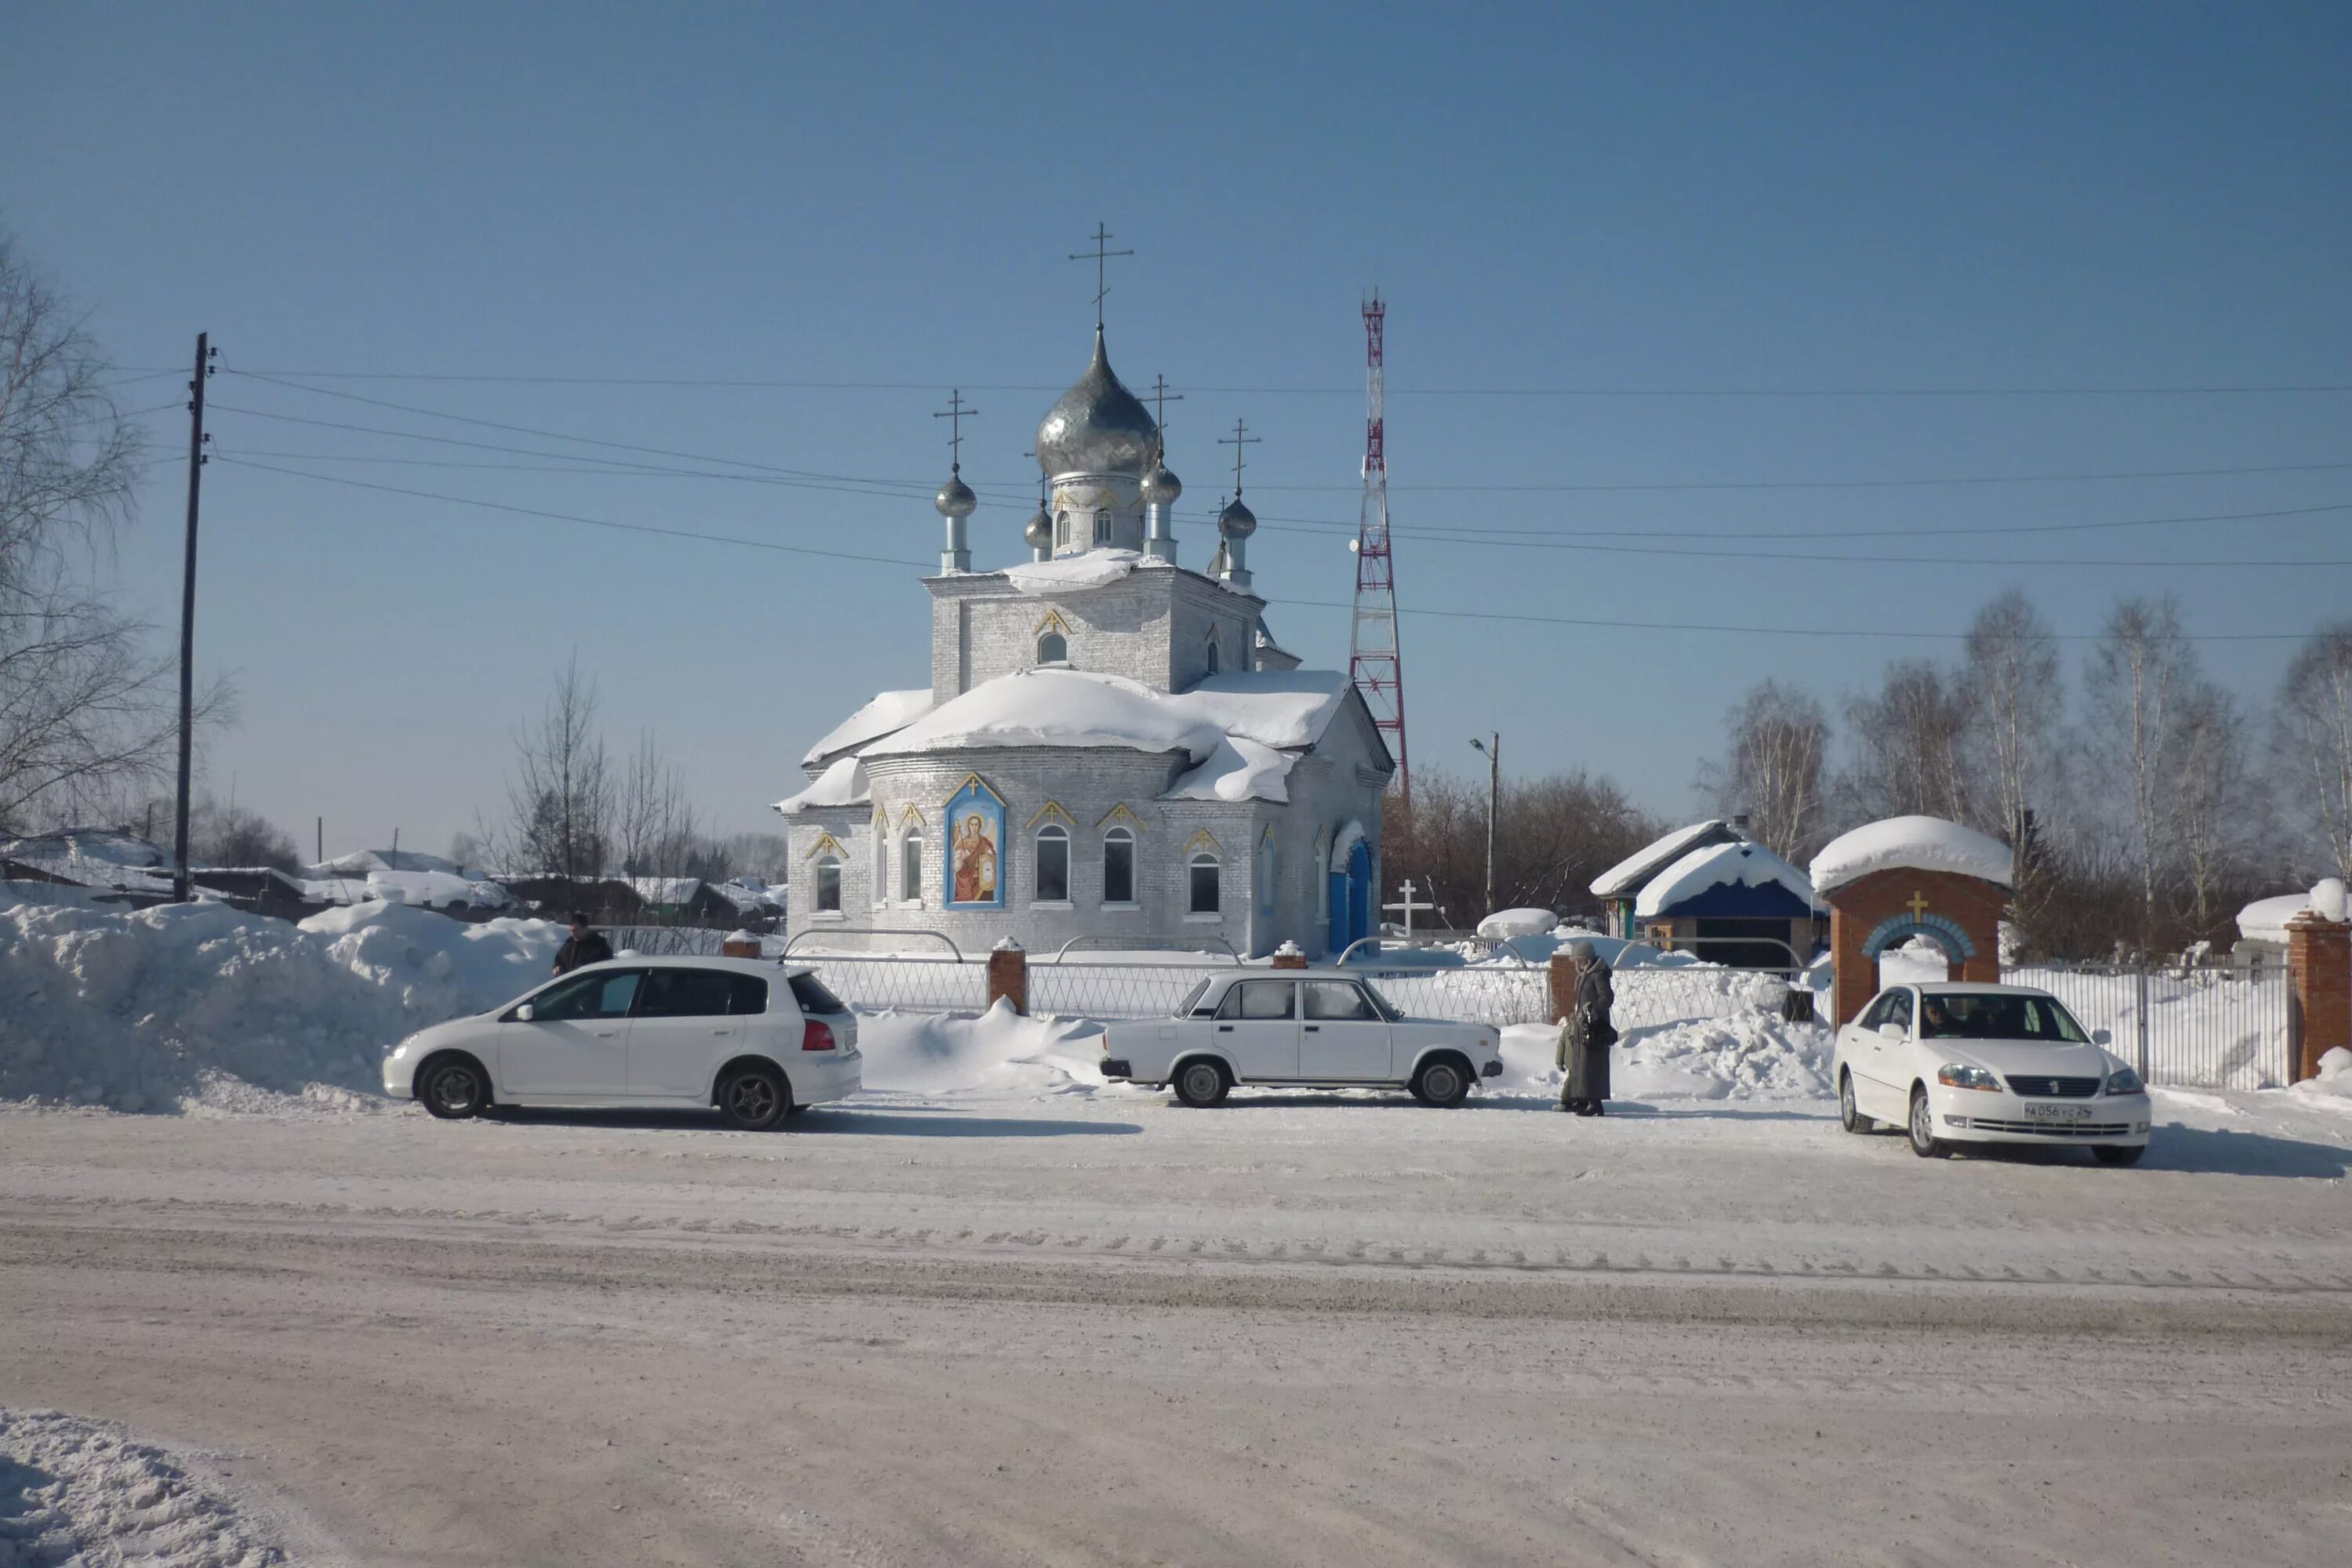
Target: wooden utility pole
{"points": [[196, 439]]}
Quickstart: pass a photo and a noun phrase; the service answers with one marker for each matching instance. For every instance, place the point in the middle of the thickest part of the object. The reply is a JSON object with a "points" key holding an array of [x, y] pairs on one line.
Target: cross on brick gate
{"points": [[1917, 904]]}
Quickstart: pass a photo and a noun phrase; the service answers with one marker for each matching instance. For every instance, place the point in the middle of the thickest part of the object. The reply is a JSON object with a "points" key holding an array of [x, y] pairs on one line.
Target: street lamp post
{"points": [[1493, 754]]}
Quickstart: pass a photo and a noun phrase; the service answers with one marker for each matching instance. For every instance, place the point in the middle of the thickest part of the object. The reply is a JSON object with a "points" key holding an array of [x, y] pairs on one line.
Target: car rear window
{"points": [[750, 994], [811, 994]]}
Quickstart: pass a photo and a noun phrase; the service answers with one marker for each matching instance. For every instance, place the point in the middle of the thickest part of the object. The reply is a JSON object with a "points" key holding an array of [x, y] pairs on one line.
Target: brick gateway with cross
{"points": [[1958, 913]]}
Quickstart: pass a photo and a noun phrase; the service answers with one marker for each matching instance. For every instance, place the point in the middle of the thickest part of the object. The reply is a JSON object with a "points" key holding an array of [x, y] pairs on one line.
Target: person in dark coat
{"points": [[583, 946], [1586, 1034]]}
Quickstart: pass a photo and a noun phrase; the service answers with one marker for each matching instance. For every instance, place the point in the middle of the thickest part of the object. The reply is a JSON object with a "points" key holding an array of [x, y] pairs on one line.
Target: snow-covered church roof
{"points": [[1912, 843], [889, 711], [1742, 865], [842, 783], [1287, 709]]}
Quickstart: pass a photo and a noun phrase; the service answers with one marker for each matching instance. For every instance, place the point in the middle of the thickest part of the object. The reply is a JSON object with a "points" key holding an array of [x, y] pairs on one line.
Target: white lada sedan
{"points": [[1987, 1064], [758, 1040], [1299, 1029]]}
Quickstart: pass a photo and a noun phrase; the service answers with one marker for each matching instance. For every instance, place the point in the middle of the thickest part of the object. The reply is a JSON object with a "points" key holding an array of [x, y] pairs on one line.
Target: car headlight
{"points": [[1961, 1075], [2123, 1080]]}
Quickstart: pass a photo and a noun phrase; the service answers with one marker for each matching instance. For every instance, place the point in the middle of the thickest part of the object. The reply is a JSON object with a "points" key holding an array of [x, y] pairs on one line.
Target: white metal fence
{"points": [[2191, 1028], [1100, 989]]}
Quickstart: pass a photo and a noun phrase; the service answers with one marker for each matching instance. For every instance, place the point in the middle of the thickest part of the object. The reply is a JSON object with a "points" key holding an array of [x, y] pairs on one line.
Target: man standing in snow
{"points": [[1586, 1034], [584, 946]]}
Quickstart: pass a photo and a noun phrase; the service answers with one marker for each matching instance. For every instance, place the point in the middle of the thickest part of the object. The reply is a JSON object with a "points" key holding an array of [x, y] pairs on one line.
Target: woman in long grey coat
{"points": [[1586, 1034]]}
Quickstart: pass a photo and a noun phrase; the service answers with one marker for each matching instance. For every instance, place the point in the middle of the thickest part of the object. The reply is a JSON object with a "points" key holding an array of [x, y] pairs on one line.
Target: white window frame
{"points": [[1053, 830], [1213, 656], [911, 868], [1193, 863], [1061, 658], [1102, 527], [882, 867], [825, 863], [1125, 835]]}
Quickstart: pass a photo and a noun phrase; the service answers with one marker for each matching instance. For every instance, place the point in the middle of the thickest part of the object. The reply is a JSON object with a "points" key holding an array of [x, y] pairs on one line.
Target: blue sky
{"points": [[1629, 205]]}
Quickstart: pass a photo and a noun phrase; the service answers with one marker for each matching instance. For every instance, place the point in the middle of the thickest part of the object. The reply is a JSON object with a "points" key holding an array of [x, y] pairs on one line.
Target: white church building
{"points": [[1112, 746]]}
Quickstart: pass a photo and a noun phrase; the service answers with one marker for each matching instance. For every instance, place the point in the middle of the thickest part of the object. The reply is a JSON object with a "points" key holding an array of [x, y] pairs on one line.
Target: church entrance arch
{"points": [[1895, 882], [1351, 886]]}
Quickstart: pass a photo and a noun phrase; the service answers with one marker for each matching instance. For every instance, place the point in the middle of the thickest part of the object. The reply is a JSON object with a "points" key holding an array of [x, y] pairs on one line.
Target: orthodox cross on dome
{"points": [[1916, 904], [1240, 439], [1160, 398], [955, 414], [1099, 254]]}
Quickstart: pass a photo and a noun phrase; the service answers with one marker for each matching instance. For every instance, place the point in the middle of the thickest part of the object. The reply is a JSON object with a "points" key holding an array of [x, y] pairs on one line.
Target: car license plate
{"points": [[2045, 1111]]}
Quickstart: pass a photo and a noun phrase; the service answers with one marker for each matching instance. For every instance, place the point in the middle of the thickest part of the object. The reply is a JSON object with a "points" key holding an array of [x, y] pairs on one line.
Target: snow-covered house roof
{"points": [[94, 857], [431, 889], [1284, 710], [1627, 877], [2265, 920], [843, 783], [360, 862], [1736, 868], [1912, 843], [889, 711]]}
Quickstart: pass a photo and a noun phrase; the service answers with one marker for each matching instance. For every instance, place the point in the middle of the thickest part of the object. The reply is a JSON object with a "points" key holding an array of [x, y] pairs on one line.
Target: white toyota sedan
{"points": [[759, 1041], [1987, 1064], [1299, 1029]]}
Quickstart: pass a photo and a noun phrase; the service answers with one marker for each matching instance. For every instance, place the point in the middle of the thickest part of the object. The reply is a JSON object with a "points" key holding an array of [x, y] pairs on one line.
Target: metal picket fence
{"points": [[2189, 1028], [1651, 995], [1097, 989], [1484, 993]]}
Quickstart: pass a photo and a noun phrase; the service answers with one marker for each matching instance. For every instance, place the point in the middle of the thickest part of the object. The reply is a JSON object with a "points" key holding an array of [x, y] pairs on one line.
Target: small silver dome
{"points": [[1040, 531], [955, 498], [1098, 427], [1161, 488], [1236, 521]]}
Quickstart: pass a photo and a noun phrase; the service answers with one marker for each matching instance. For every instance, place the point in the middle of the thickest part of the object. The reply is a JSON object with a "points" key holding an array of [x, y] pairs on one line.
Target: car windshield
{"points": [[1997, 1018]]}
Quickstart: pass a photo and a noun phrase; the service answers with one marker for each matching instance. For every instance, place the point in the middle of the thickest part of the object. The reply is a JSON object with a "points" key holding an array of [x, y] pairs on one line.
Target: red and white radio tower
{"points": [[1375, 662]]}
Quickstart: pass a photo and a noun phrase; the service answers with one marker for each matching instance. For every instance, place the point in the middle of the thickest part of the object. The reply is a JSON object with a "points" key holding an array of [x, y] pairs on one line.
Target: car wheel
{"points": [[1924, 1142], [1850, 1116], [2118, 1153], [454, 1087], [1201, 1083], [754, 1098], [1441, 1083]]}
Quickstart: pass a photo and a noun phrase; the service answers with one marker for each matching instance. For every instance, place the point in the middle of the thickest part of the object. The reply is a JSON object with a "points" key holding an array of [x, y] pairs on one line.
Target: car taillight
{"points": [[816, 1036]]}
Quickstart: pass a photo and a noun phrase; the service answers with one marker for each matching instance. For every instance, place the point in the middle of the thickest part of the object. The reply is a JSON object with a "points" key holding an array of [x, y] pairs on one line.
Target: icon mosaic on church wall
{"points": [[974, 865]]}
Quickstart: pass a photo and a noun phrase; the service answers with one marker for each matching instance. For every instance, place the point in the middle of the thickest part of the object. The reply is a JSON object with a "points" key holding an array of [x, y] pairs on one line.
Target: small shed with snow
{"points": [[1735, 903], [1619, 888], [1907, 877]]}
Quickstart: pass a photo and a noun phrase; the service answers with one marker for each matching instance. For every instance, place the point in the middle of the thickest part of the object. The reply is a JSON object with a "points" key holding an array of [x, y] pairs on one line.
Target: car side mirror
{"points": [[2102, 1037], [522, 1014], [1891, 1032]]}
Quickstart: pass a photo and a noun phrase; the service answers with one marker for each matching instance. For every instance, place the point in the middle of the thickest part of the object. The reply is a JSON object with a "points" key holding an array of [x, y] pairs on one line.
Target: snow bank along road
{"points": [[1084, 1328]]}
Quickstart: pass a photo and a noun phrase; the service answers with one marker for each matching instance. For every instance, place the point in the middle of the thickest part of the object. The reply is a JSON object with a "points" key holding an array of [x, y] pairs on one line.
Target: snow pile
{"points": [[1912, 843], [190, 1004], [1636, 869], [1747, 1056], [1282, 707], [843, 783], [1095, 569], [1720, 865], [937, 1053], [426, 888], [2335, 1077], [75, 1491], [1236, 770], [95, 857], [1505, 924], [888, 712]]}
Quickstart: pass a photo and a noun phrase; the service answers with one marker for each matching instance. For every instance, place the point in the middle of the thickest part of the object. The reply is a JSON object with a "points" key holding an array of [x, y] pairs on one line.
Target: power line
{"points": [[1855, 484], [797, 384]]}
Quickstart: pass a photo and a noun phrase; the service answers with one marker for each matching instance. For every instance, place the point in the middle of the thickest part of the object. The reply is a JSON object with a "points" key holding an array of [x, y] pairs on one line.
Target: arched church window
{"points": [[1323, 875], [1052, 850], [1118, 866], [1102, 528], [1266, 876], [1052, 649], [1061, 530], [881, 866], [828, 886], [1213, 658], [911, 867], [1204, 890]]}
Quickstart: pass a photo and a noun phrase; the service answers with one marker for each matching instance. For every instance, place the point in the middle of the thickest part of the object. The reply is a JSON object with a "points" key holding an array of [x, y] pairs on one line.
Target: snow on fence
{"points": [[872, 983], [1483, 993], [2192, 1028], [1647, 997]]}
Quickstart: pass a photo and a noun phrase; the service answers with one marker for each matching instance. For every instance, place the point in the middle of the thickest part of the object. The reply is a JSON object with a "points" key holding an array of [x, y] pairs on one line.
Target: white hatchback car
{"points": [[1958, 1063], [1304, 1029], [759, 1040]]}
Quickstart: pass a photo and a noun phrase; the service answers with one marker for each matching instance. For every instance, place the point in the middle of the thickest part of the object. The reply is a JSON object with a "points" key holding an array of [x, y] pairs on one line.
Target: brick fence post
{"points": [[2319, 971], [1563, 986], [739, 944], [1008, 976], [1289, 955]]}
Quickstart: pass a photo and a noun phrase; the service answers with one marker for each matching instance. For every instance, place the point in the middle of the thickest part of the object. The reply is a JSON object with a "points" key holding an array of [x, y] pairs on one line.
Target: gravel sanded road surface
{"points": [[1290, 1331]]}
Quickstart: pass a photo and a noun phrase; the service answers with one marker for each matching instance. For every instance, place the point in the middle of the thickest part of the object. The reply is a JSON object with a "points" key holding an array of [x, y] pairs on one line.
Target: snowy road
{"points": [[1096, 1328]]}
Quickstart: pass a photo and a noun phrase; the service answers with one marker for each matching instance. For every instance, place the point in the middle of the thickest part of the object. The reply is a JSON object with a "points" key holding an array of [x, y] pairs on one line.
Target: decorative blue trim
{"points": [[1942, 929]]}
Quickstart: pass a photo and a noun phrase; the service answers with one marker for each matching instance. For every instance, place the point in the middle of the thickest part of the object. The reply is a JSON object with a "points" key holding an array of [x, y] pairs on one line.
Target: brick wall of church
{"points": [[1150, 626]]}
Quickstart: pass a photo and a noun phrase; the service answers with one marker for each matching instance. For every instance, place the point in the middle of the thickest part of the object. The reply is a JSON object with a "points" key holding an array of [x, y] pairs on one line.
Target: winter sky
{"points": [[1619, 200]]}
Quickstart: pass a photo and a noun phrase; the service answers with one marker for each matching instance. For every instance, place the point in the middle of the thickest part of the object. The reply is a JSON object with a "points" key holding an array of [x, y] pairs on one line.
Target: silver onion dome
{"points": [[1098, 427], [1040, 531], [1161, 488], [1236, 521], [955, 498]]}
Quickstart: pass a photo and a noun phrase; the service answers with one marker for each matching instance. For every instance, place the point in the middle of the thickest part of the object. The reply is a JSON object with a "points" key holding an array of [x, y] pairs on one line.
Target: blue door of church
{"points": [[1351, 899]]}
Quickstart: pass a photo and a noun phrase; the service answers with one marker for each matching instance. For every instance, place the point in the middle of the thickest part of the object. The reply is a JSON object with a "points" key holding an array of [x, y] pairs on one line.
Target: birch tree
{"points": [[1772, 768], [560, 797], [2137, 673], [2312, 739], [1910, 745]]}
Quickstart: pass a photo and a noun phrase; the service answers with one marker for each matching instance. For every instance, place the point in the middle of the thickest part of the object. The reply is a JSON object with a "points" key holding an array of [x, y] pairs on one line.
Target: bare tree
{"points": [[2216, 812], [1772, 769], [2136, 677], [560, 798], [237, 835], [1910, 745], [84, 714], [1552, 837], [2312, 738], [653, 828], [2016, 696]]}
